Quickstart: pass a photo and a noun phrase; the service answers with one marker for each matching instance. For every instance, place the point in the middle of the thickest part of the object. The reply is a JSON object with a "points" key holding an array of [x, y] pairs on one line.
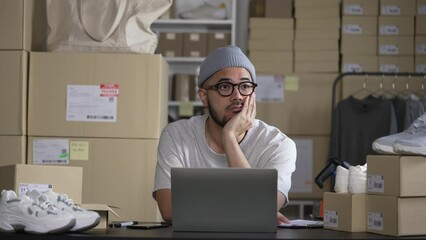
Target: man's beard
{"points": [[214, 116]]}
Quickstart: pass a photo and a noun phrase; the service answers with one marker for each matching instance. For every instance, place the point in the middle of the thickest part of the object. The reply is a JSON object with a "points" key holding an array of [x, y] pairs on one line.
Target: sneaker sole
{"points": [[409, 149], [385, 149]]}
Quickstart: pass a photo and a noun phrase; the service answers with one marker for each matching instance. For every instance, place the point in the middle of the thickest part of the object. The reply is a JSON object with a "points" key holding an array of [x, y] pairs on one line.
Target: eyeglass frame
{"points": [[216, 87]]}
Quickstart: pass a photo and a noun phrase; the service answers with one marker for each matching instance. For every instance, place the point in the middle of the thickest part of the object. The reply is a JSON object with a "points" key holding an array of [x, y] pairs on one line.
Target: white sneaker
{"points": [[415, 145], [342, 180], [357, 179], [208, 10], [386, 144], [85, 219], [23, 213]]}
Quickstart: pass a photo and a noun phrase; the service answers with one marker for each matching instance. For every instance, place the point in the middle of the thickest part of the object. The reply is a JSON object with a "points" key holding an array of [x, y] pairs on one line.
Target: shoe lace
{"points": [[68, 201], [419, 125], [44, 204]]}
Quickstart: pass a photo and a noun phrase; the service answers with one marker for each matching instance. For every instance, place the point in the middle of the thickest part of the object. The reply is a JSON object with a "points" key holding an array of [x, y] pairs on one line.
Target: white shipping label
{"points": [[51, 151], [391, 10], [389, 30], [28, 187], [421, 68], [352, 67], [389, 49], [331, 219], [352, 29], [421, 49], [353, 9], [421, 10], [375, 221], [375, 183], [92, 103], [270, 88], [390, 68]]}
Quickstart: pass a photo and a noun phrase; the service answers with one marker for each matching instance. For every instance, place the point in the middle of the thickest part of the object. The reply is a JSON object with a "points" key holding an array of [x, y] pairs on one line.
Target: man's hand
{"points": [[281, 218], [242, 121]]}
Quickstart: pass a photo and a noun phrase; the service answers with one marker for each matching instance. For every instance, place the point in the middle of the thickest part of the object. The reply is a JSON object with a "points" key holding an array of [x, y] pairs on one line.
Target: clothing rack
{"points": [[333, 162], [368, 74]]}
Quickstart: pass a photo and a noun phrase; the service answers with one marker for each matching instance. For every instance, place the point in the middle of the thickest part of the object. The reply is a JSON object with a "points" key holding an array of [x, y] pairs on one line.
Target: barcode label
{"points": [[100, 117], [375, 221], [375, 183], [331, 219]]}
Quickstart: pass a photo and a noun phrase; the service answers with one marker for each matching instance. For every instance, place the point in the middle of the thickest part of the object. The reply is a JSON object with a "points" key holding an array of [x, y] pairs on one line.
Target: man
{"points": [[229, 136]]}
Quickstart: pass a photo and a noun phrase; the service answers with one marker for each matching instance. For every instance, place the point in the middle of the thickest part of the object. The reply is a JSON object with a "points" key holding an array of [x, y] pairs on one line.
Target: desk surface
{"points": [[167, 233]]}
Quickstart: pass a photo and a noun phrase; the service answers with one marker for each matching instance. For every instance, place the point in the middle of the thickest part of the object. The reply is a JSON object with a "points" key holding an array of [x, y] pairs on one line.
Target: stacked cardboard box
{"points": [[420, 37], [316, 36], [359, 36], [270, 45], [104, 113], [15, 42], [396, 35], [396, 196]]}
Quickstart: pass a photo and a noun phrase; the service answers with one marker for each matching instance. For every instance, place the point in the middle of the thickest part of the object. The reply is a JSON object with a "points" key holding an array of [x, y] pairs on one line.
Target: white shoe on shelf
{"points": [[208, 10], [25, 214], [84, 219], [406, 141], [342, 180]]}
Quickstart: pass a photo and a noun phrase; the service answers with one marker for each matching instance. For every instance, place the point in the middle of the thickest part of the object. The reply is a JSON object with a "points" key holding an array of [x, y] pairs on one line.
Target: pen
{"points": [[124, 224]]}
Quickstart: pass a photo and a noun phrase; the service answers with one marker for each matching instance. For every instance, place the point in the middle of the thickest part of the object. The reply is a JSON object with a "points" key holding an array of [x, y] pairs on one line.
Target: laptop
{"points": [[224, 199]]}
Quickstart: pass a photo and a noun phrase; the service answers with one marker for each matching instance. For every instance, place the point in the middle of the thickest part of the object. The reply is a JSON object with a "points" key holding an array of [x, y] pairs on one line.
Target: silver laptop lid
{"points": [[224, 199]]}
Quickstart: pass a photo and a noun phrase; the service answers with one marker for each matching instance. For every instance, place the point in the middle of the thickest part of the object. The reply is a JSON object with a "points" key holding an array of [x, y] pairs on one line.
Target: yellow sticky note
{"points": [[186, 109], [79, 150], [291, 83]]}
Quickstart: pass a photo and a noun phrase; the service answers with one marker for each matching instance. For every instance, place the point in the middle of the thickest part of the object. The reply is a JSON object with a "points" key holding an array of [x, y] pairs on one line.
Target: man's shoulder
{"points": [[185, 124]]}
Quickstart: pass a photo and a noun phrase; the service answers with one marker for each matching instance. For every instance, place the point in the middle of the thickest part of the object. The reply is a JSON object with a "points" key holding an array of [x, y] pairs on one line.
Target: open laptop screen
{"points": [[224, 199]]}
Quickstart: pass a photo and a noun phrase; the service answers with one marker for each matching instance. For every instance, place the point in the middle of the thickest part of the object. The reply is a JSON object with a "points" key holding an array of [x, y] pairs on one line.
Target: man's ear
{"points": [[202, 94]]}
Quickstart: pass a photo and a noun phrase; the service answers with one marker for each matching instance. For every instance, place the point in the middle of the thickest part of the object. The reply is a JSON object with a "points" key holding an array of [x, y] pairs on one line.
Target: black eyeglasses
{"points": [[226, 89]]}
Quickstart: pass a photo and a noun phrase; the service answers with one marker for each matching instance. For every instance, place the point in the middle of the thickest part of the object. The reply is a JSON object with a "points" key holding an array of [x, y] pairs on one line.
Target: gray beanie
{"points": [[228, 56]]}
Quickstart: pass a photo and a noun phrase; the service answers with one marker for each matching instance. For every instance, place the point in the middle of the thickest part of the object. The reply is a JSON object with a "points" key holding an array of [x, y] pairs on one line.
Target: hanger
{"points": [[407, 92], [364, 91], [380, 92]]}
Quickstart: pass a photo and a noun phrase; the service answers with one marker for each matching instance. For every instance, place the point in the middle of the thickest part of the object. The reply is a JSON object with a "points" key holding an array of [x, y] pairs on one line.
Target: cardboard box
{"points": [[400, 25], [310, 92], [315, 4], [216, 40], [279, 8], [271, 33], [403, 176], [420, 64], [135, 79], [359, 25], [103, 210], [195, 44], [13, 92], [170, 44], [13, 150], [317, 34], [394, 216], [359, 63], [345, 211], [359, 45], [271, 56], [62, 179], [271, 23], [420, 45], [316, 56], [117, 172], [318, 23], [270, 44], [311, 159], [16, 24], [398, 7], [332, 11], [421, 7], [316, 45], [317, 67], [360, 7], [421, 25], [273, 68], [396, 45], [396, 63]]}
